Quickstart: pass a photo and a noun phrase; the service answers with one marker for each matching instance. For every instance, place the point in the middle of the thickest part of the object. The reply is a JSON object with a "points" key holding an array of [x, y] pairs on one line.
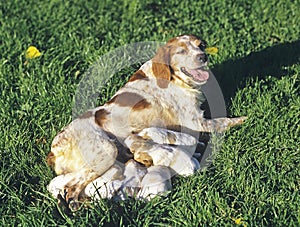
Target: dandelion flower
{"points": [[238, 221], [32, 52], [212, 50]]}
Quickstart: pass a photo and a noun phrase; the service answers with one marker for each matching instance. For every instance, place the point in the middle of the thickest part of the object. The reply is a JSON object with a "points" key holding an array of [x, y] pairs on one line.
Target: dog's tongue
{"points": [[198, 74]]}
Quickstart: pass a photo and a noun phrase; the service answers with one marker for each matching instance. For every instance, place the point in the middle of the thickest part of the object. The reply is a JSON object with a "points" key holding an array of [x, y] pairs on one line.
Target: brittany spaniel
{"points": [[147, 132]]}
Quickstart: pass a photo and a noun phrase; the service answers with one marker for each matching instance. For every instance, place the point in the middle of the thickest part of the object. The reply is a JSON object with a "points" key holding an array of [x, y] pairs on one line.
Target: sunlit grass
{"points": [[254, 179]]}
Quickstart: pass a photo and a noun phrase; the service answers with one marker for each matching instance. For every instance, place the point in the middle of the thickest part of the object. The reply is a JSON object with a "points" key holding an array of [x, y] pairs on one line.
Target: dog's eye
{"points": [[202, 46], [181, 51]]}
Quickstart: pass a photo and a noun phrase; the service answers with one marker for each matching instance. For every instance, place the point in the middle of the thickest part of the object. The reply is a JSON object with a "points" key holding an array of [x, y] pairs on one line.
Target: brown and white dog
{"points": [[157, 107]]}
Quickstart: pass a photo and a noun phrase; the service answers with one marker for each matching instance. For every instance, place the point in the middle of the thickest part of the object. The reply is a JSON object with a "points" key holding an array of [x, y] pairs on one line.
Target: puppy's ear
{"points": [[161, 67]]}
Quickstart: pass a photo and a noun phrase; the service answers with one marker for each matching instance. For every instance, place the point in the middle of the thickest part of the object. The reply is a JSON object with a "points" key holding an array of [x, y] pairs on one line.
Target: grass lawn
{"points": [[253, 179]]}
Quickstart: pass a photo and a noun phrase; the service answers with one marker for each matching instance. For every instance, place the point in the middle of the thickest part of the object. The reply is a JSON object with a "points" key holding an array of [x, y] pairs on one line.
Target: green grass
{"points": [[255, 175]]}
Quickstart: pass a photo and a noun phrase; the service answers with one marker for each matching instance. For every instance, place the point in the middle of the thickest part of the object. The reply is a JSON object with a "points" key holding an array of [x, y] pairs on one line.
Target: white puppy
{"points": [[106, 185], [156, 182], [133, 173]]}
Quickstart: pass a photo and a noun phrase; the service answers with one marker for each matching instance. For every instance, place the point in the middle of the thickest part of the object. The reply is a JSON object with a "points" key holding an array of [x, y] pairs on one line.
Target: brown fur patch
{"points": [[126, 99], [50, 159], [139, 144], [197, 42], [144, 158], [143, 104], [161, 67], [138, 75], [139, 148], [130, 99], [171, 137], [101, 117], [180, 44]]}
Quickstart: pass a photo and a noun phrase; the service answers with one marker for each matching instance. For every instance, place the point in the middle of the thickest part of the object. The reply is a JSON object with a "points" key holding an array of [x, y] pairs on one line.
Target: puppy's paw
{"points": [[67, 189]]}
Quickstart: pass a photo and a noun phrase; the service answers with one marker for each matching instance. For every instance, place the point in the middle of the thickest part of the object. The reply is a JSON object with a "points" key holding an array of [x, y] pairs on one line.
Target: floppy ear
{"points": [[161, 67]]}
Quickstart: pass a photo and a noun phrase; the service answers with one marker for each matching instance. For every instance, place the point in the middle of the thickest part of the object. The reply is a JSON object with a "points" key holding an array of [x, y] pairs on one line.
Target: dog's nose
{"points": [[202, 57]]}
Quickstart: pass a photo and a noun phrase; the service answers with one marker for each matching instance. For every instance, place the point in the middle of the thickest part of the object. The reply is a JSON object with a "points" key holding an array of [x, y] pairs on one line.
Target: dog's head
{"points": [[183, 60]]}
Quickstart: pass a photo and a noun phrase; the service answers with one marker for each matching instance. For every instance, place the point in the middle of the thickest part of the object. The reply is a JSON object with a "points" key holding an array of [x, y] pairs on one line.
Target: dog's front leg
{"points": [[220, 124]]}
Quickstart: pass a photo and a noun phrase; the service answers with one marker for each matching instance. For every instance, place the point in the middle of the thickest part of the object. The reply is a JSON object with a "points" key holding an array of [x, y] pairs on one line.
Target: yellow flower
{"points": [[238, 221], [32, 52], [212, 50]]}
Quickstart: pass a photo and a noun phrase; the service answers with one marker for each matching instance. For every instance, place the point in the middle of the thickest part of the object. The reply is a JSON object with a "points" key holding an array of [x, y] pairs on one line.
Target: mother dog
{"points": [[164, 93]]}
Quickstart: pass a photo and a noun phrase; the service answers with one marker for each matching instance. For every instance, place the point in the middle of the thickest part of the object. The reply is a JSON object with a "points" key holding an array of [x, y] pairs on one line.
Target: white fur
{"points": [[106, 185], [156, 182]]}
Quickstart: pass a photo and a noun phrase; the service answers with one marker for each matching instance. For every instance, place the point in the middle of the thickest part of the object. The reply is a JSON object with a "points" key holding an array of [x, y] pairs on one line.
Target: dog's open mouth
{"points": [[200, 74]]}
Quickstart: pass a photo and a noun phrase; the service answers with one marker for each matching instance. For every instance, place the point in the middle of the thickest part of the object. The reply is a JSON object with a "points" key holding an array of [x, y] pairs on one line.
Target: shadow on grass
{"points": [[233, 74]]}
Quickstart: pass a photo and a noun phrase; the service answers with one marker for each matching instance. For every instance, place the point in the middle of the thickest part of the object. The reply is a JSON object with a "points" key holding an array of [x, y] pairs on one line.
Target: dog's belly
{"points": [[122, 123]]}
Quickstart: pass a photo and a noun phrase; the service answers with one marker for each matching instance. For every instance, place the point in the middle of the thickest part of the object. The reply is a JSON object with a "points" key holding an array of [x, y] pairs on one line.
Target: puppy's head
{"points": [[183, 60]]}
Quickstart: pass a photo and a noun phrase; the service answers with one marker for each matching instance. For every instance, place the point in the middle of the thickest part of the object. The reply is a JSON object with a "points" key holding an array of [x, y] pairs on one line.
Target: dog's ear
{"points": [[161, 67]]}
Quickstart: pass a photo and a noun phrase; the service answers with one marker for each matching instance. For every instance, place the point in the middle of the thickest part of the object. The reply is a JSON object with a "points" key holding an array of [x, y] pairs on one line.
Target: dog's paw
{"points": [[237, 121], [57, 185], [242, 119], [66, 189]]}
